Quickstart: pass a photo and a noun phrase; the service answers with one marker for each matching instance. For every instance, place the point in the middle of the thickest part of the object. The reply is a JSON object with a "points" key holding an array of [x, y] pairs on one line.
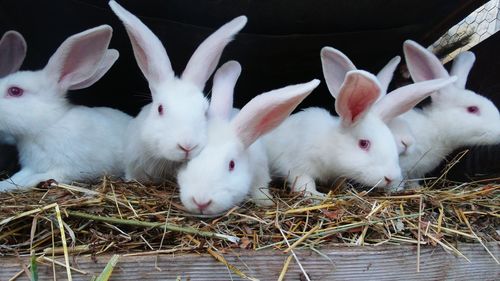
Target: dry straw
{"points": [[130, 218]]}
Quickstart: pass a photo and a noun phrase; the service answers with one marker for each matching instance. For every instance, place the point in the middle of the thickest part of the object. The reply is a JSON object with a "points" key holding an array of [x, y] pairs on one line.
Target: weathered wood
{"points": [[349, 263]]}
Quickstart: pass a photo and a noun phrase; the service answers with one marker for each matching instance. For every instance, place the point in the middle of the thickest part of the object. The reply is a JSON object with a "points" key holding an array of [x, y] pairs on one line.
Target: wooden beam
{"points": [[385, 262]]}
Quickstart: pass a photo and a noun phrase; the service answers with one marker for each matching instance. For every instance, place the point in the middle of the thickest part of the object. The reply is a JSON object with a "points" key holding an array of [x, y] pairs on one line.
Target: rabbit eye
{"points": [[364, 144], [15, 91], [473, 109], [231, 165], [160, 109]]}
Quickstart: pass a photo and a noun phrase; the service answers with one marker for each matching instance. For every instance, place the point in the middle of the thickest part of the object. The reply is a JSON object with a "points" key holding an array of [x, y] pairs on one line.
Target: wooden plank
{"points": [[347, 263]]}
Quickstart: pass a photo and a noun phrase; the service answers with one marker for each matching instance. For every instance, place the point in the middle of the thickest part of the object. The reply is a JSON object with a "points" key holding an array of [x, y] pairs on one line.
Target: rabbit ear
{"points": [[221, 103], [79, 57], [148, 49], [266, 111], [422, 64], [12, 52], [107, 61], [357, 94], [462, 65], [385, 74], [405, 98], [206, 57], [335, 67]]}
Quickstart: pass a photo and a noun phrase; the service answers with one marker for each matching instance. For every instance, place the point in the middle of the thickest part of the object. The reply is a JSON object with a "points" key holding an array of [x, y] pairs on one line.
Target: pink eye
{"points": [[160, 109], [473, 109], [231, 165], [15, 91], [364, 144]]}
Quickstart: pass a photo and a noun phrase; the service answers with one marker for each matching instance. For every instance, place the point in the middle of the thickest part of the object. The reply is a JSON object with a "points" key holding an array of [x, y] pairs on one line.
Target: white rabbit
{"points": [[57, 140], [234, 162], [336, 65], [314, 145], [172, 128], [455, 117]]}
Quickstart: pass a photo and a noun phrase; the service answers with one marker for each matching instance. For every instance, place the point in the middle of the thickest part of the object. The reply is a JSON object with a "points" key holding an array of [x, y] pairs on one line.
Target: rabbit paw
{"points": [[261, 197]]}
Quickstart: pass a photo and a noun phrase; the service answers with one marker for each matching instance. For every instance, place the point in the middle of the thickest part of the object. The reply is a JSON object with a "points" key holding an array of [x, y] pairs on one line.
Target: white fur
{"points": [[403, 136], [57, 140], [152, 142], [207, 178], [314, 145], [445, 124], [154, 148]]}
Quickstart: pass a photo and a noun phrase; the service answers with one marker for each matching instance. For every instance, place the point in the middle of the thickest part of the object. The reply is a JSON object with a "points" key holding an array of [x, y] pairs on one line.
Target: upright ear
{"points": [[266, 111], [422, 64], [148, 49], [106, 63], [358, 93], [385, 74], [462, 65], [221, 103], [12, 52], [205, 58], [335, 67], [405, 98], [79, 57]]}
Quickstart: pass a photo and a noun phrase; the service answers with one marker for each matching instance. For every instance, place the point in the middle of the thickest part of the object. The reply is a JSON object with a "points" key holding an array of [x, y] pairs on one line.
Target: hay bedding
{"points": [[130, 218]]}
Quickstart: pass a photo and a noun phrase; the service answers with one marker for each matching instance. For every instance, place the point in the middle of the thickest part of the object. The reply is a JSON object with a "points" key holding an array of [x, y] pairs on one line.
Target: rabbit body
{"points": [[55, 139], [76, 144], [312, 145]]}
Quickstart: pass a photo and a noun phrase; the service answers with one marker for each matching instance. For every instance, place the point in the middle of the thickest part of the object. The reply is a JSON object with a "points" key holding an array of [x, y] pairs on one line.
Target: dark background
{"points": [[279, 46]]}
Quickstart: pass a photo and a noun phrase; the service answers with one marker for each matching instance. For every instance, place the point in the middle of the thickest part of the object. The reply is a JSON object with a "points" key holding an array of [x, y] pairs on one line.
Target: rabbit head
{"points": [[176, 120], [33, 100], [462, 116], [364, 140], [389, 105], [223, 173]]}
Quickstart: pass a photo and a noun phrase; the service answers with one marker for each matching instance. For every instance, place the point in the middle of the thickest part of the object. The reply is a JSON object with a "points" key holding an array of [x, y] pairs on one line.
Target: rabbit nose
{"points": [[202, 206], [186, 148], [387, 180], [405, 146]]}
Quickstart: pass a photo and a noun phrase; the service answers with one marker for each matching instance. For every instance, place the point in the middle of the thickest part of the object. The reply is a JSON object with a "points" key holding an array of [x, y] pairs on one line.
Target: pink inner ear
{"points": [[272, 118], [12, 52], [252, 128], [423, 64], [360, 93], [420, 65], [266, 111], [74, 60]]}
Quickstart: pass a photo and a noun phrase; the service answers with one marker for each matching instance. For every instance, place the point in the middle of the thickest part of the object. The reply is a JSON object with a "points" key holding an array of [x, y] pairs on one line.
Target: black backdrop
{"points": [[280, 44]]}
